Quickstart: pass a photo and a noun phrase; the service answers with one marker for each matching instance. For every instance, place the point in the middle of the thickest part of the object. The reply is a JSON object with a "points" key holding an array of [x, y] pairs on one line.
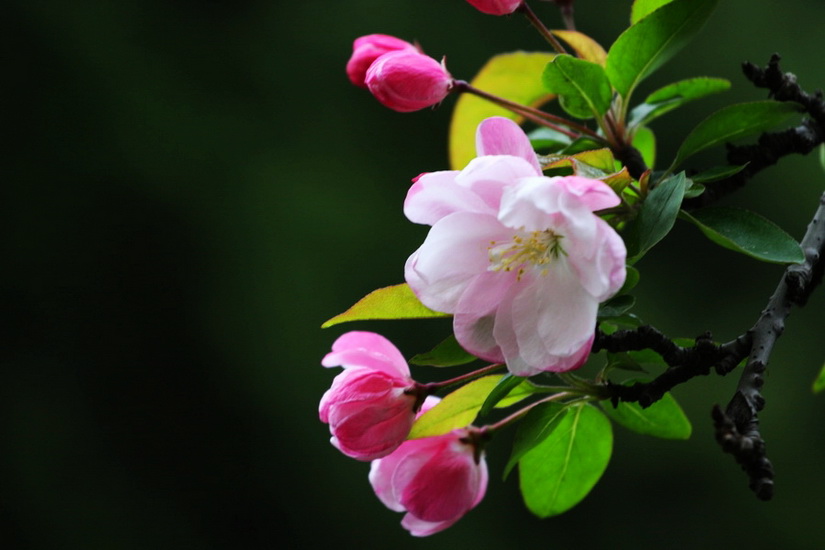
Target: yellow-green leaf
{"points": [[600, 159], [457, 410], [514, 76], [584, 46], [391, 302], [819, 383]]}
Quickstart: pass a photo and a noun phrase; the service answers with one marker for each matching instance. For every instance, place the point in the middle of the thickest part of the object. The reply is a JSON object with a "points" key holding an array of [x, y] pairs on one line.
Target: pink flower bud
{"points": [[496, 7], [367, 49], [371, 406], [408, 81], [436, 480]]}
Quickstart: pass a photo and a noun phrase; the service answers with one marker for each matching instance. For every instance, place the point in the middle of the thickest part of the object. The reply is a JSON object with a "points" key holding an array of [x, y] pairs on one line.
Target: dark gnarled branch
{"points": [[737, 428], [771, 146]]}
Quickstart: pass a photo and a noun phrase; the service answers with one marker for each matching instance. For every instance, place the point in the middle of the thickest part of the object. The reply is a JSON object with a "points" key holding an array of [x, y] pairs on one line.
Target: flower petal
{"points": [[601, 269], [547, 325], [436, 194], [367, 349], [454, 252], [501, 136], [596, 194]]}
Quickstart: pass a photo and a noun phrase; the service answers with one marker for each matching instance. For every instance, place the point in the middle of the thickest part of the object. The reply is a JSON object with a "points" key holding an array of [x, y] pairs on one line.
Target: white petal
{"points": [[454, 252], [436, 195]]}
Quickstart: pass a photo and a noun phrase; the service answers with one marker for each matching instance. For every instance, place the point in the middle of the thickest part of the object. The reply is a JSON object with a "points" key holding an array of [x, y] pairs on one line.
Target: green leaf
{"points": [[717, 173], [391, 302], [643, 8], [746, 232], [819, 383], [558, 473], [653, 40], [513, 76], [448, 353], [641, 361], [733, 122], [645, 141], [630, 280], [583, 86], [547, 139], [664, 418], [534, 428], [519, 393], [456, 410], [674, 96], [656, 217], [616, 306], [822, 155], [507, 384]]}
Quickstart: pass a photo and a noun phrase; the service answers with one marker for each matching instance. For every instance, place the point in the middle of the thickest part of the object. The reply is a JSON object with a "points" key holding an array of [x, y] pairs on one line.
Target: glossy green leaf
{"points": [[391, 302], [559, 472], [584, 46], [534, 428], [664, 418], [515, 76], [548, 140], [717, 173], [819, 383], [746, 232], [656, 217], [643, 8], [642, 360], [456, 410], [630, 281], [448, 353], [734, 122], [674, 96], [645, 141], [505, 386], [822, 155], [653, 40], [616, 306], [582, 86], [519, 393]]}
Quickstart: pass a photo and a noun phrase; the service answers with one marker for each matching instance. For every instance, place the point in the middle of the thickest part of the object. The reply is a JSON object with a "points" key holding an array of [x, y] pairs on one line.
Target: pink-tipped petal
{"points": [[596, 194], [502, 136], [367, 349], [436, 195]]}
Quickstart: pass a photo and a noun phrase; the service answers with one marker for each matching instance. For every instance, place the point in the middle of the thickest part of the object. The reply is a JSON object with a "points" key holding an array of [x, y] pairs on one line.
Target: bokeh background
{"points": [[191, 187]]}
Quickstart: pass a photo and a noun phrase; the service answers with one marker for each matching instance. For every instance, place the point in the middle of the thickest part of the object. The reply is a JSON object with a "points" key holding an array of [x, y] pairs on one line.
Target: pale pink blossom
{"points": [[407, 80], [436, 480], [367, 49], [496, 7], [371, 406], [519, 259]]}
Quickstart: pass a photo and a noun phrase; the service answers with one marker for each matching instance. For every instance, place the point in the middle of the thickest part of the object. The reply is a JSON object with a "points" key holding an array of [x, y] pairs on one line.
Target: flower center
{"points": [[536, 249]]}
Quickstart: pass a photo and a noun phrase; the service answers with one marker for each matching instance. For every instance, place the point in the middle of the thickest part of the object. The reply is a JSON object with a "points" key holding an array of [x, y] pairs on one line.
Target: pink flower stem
{"points": [[432, 387], [543, 30], [534, 115]]}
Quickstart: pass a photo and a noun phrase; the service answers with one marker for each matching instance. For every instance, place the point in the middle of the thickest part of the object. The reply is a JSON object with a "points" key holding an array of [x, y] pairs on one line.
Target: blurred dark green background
{"points": [[191, 188]]}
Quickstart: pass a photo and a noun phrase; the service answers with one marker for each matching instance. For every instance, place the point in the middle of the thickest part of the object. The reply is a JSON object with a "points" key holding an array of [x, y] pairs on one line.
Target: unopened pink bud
{"points": [[436, 480], [496, 7], [367, 49], [371, 406], [408, 81]]}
